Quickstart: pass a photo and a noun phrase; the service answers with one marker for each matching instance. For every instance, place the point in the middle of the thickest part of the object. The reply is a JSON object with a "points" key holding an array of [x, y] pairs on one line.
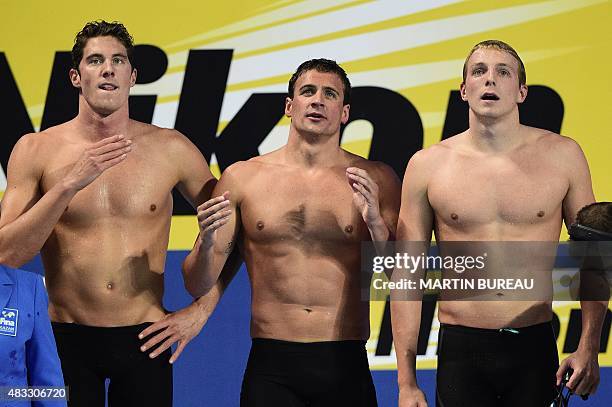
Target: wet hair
{"points": [[500, 46], [325, 66], [597, 215], [101, 28]]}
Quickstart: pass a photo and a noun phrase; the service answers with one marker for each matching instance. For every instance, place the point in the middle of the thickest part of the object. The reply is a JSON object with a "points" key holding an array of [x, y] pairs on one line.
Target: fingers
{"points": [[154, 341], [204, 213], [214, 201], [362, 177], [210, 226], [575, 380], [159, 325], [587, 381], [213, 213], [109, 144], [113, 162], [113, 154], [561, 370], [178, 351], [160, 349]]}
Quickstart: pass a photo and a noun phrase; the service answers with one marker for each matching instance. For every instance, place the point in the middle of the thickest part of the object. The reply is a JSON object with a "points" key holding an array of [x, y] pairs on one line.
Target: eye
{"points": [[95, 61], [307, 92], [504, 72], [477, 71], [330, 94], [117, 60]]}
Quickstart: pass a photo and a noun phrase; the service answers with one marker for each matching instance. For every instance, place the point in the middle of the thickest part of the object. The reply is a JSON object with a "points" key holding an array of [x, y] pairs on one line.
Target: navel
{"points": [[152, 207], [454, 216], [260, 225], [110, 286], [541, 214], [348, 229]]}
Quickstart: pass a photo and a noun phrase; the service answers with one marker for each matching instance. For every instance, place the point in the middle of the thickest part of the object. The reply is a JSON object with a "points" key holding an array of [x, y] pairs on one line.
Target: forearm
{"points": [[380, 234], [201, 269], [405, 322], [22, 238], [593, 314], [208, 302]]}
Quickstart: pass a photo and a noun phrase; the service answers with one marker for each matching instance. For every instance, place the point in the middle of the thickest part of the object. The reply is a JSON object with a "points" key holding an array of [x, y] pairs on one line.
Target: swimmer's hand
{"points": [[411, 397], [180, 326], [213, 214], [365, 195], [96, 159], [585, 378]]}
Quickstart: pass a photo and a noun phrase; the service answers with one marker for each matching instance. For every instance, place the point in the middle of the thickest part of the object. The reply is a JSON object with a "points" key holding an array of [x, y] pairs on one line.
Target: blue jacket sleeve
{"points": [[43, 364]]}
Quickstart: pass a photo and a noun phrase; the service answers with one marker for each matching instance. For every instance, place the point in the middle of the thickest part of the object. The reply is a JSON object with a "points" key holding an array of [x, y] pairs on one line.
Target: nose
{"points": [[317, 99], [490, 78], [107, 69]]}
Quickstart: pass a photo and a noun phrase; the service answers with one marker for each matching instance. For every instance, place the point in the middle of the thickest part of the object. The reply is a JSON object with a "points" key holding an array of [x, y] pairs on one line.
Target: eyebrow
{"points": [[311, 86], [98, 55], [501, 64]]}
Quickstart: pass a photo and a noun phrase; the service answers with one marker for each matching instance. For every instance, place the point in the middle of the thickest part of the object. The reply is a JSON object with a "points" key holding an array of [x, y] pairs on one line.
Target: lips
{"points": [[489, 96], [315, 115], [108, 86]]}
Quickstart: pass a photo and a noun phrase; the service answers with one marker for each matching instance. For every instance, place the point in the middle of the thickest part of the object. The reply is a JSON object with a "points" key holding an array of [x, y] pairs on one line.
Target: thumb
{"points": [[561, 370]]}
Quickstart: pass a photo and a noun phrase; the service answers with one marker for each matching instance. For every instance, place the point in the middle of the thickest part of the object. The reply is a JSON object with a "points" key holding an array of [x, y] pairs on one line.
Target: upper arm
{"points": [[389, 191], [580, 189], [23, 178], [195, 181], [416, 215], [228, 233]]}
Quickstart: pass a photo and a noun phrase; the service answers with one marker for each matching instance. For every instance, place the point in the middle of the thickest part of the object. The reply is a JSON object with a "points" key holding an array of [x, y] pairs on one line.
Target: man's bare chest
{"points": [[480, 193], [287, 210], [137, 187]]}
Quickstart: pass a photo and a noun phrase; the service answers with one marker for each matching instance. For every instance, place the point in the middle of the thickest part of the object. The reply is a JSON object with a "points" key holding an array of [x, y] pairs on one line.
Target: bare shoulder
{"points": [[555, 145], [42, 144], [160, 137], [431, 157], [381, 172]]}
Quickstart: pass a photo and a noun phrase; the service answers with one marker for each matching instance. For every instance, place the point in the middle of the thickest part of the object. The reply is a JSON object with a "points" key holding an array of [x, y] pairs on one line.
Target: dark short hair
{"points": [[322, 65], [597, 215], [500, 46], [101, 28]]}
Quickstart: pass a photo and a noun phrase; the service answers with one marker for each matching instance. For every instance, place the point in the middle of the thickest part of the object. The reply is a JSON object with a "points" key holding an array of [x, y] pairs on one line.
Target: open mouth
{"points": [[107, 86], [489, 96], [315, 115]]}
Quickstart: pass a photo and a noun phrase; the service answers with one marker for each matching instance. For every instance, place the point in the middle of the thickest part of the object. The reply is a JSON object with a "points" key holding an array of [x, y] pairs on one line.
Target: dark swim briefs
{"points": [[90, 355], [292, 374], [496, 367]]}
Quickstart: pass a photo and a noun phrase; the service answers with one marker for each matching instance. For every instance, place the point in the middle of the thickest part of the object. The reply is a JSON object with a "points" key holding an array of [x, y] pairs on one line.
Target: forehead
{"points": [[320, 79], [492, 56], [103, 45]]}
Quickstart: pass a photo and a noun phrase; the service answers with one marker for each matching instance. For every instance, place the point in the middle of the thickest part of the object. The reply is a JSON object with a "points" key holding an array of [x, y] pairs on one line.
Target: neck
{"points": [[95, 126], [497, 134], [312, 150]]}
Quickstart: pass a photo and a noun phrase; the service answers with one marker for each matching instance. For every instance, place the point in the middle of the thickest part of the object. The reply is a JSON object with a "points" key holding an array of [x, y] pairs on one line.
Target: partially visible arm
{"points": [[208, 302], [414, 228], [390, 198], [195, 181], [376, 194], [43, 364], [584, 361], [219, 223], [27, 219]]}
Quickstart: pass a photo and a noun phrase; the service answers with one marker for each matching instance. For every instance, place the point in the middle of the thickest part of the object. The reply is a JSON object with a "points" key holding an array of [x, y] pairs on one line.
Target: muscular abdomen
{"points": [[109, 271]]}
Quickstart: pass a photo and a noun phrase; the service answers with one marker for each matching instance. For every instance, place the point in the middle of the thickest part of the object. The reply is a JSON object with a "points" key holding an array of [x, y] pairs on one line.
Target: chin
{"points": [[105, 110]]}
